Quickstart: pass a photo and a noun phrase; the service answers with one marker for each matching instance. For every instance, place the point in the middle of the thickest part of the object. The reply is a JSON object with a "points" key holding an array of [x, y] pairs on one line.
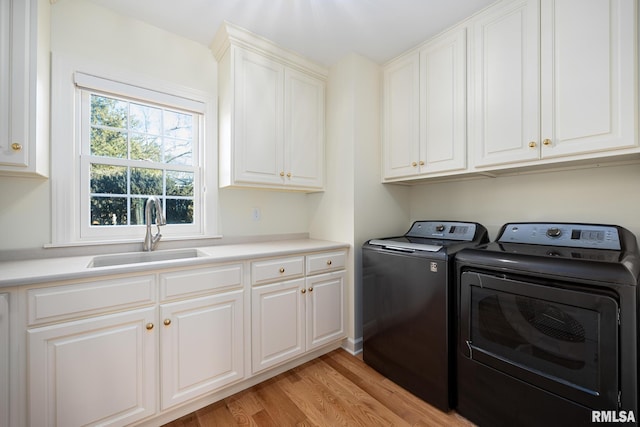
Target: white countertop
{"points": [[28, 272]]}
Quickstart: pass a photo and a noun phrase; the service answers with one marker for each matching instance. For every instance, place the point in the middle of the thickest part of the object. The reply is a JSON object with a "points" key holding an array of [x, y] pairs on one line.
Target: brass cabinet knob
{"points": [[329, 262], [532, 144], [304, 291], [289, 175], [281, 270], [421, 162], [149, 326], [311, 289], [282, 173], [16, 147], [167, 322], [414, 164], [546, 142]]}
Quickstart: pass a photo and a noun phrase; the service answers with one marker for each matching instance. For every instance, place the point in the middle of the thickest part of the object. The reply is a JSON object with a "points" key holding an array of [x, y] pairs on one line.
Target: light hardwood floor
{"points": [[336, 389]]}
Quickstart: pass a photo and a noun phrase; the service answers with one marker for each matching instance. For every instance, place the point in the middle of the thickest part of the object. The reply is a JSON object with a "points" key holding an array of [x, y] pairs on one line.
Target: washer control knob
{"points": [[439, 227], [554, 232]]}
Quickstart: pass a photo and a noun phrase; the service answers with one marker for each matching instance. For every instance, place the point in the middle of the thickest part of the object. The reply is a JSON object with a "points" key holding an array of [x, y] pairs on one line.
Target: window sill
{"points": [[127, 241]]}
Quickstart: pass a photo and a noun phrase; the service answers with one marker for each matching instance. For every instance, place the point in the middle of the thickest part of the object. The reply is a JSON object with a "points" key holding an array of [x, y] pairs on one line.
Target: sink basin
{"points": [[140, 257]]}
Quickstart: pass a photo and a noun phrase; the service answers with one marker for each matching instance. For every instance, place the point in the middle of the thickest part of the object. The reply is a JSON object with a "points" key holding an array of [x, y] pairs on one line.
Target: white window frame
{"points": [[70, 171]]}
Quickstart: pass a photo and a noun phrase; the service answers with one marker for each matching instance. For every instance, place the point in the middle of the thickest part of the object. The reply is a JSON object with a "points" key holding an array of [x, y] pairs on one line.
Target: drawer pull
{"points": [[304, 291], [281, 270], [329, 262], [167, 322], [149, 326], [311, 289]]}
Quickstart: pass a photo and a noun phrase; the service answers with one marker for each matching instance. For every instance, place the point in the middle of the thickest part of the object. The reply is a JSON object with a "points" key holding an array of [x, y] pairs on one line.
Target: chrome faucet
{"points": [[151, 241]]}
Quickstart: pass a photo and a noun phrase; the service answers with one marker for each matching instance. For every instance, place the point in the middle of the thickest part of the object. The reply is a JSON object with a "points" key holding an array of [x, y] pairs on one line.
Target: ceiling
{"points": [[322, 30]]}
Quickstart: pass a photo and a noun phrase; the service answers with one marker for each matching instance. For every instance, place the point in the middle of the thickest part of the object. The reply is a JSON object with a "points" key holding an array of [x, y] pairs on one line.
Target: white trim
{"points": [[88, 81], [65, 154]]}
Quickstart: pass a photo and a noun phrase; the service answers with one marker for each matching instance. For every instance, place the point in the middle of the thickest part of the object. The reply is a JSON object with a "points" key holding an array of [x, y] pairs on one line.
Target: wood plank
{"points": [[336, 389], [409, 407], [216, 415]]}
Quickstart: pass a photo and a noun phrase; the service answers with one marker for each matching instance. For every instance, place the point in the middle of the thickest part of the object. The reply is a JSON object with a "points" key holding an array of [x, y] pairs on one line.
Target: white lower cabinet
{"points": [[4, 360], [201, 346], [296, 316], [277, 323], [129, 349], [99, 370], [325, 307]]}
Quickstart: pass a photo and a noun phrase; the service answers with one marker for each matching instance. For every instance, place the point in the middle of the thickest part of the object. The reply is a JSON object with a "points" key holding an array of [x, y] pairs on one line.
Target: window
{"points": [[129, 142], [132, 150]]}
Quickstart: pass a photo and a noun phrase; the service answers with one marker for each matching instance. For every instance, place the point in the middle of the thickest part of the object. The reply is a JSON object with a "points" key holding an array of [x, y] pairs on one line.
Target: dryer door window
{"points": [[562, 340]]}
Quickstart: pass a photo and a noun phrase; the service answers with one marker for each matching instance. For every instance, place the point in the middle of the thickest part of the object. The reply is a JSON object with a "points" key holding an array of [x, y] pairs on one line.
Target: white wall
{"points": [[94, 34], [355, 206], [606, 195]]}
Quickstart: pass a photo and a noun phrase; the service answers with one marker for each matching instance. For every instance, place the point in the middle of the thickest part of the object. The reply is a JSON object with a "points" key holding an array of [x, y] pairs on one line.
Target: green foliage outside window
{"points": [[154, 139]]}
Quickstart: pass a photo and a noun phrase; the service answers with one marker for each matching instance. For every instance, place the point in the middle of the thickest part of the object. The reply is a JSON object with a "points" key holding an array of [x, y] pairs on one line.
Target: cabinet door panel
{"points": [[4, 360], [258, 113], [201, 347], [325, 309], [443, 116], [15, 68], [401, 118], [506, 77], [587, 73], [304, 130], [277, 323], [99, 370]]}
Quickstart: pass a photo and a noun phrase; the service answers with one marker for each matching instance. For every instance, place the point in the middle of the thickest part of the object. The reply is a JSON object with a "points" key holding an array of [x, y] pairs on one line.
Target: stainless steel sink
{"points": [[140, 257]]}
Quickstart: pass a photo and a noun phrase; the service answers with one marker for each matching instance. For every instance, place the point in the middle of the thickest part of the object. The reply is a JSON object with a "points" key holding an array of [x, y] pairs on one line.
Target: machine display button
{"points": [[554, 232]]}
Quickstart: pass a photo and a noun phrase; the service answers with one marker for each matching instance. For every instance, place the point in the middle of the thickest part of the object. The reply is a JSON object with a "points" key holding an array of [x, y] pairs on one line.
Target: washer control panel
{"points": [[569, 235], [443, 230]]}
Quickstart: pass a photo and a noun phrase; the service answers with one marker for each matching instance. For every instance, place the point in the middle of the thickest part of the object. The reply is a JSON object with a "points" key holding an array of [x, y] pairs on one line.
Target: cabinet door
{"points": [[201, 346], [277, 323], [98, 370], [15, 71], [325, 307], [443, 105], [589, 71], [303, 130], [258, 114], [4, 360], [505, 71], [401, 125]]}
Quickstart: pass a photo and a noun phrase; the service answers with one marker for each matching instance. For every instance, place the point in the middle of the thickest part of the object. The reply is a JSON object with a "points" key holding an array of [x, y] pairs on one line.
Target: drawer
{"points": [[322, 263], [199, 281], [88, 298], [276, 269]]}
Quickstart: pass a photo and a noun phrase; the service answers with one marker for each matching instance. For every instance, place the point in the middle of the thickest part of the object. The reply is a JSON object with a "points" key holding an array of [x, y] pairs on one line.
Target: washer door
{"points": [[562, 340]]}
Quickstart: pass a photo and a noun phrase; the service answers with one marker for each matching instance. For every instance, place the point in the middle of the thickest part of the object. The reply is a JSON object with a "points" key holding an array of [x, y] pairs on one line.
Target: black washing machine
{"points": [[408, 306], [548, 326]]}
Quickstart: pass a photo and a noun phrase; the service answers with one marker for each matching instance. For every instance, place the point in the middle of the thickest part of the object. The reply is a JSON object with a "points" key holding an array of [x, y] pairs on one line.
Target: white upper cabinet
{"points": [[425, 109], [401, 133], [24, 85], [271, 114], [553, 78], [258, 120], [589, 75], [505, 70], [303, 130], [443, 103]]}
